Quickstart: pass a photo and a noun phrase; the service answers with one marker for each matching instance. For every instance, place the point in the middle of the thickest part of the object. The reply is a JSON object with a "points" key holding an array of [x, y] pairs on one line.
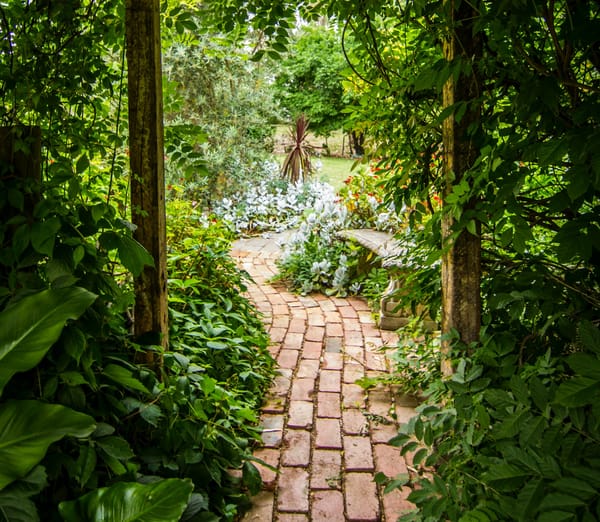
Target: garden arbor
{"points": [[461, 259]]}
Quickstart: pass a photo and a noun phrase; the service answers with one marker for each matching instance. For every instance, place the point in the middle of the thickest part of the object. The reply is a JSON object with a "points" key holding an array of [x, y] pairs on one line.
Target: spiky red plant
{"points": [[297, 165]]}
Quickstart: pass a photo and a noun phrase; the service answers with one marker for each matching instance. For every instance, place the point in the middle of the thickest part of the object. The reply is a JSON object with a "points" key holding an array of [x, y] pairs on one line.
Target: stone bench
{"points": [[392, 254]]}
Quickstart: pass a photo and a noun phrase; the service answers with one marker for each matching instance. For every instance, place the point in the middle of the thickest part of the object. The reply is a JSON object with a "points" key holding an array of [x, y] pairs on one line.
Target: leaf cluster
{"points": [[516, 442], [81, 416]]}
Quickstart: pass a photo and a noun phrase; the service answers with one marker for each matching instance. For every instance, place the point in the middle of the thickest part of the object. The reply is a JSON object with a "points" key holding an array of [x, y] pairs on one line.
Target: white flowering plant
{"points": [[270, 203], [314, 258]]}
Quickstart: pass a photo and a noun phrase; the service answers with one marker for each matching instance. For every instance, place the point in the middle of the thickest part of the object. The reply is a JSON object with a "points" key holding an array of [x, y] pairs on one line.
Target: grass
{"points": [[337, 142], [333, 170]]}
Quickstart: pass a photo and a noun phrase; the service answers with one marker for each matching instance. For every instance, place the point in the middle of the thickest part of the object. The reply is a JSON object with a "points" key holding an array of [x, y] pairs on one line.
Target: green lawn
{"points": [[333, 170]]}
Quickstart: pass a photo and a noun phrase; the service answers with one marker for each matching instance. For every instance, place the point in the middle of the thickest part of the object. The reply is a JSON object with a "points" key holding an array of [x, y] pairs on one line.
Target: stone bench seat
{"points": [[392, 255]]}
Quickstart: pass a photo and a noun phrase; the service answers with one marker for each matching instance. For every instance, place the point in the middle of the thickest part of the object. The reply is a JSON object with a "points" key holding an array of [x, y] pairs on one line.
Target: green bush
{"points": [[512, 440]]}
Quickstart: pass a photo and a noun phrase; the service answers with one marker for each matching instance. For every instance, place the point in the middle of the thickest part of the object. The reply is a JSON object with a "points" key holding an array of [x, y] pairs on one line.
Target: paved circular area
{"points": [[324, 434]]}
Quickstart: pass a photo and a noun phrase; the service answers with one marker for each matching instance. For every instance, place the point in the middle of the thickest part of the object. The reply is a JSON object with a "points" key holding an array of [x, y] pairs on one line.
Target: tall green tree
{"points": [[221, 107], [310, 78]]}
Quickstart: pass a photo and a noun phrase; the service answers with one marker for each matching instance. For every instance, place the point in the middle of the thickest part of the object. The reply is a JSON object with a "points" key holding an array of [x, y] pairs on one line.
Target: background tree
{"points": [[309, 78], [220, 109]]}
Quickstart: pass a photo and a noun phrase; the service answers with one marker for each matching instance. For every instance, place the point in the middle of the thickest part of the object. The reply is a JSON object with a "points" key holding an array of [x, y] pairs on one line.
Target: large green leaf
{"points": [[32, 326], [163, 501], [578, 391], [131, 253], [15, 504], [27, 428]]}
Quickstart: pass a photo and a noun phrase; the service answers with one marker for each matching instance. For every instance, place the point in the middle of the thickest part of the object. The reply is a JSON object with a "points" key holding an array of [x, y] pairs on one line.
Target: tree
{"points": [[219, 116], [309, 78]]}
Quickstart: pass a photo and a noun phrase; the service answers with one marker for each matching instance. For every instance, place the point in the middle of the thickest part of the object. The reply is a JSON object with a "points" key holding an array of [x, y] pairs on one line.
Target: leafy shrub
{"points": [[218, 111], [511, 440], [196, 421], [363, 195], [416, 361], [314, 258]]}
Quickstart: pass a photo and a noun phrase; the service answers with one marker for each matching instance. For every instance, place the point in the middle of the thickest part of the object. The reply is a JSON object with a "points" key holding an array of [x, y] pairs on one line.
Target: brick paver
{"points": [[326, 436]]}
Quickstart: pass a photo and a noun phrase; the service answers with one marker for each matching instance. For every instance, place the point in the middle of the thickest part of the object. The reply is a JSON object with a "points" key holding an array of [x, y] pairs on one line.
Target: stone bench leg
{"points": [[391, 316]]}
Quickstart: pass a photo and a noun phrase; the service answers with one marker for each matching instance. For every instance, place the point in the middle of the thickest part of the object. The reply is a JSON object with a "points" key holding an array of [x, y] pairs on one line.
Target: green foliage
{"points": [[514, 436], [363, 196], [15, 500], [218, 112], [309, 80], [416, 363], [33, 324], [72, 345], [28, 428], [516, 441], [163, 501]]}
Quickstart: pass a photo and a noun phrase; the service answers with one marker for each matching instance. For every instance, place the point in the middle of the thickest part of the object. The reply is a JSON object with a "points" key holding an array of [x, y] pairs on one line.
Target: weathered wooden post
{"points": [[461, 262], [146, 149]]}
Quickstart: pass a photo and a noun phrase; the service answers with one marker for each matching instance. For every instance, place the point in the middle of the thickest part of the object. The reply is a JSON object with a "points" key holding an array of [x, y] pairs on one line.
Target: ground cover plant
{"points": [[315, 258]]}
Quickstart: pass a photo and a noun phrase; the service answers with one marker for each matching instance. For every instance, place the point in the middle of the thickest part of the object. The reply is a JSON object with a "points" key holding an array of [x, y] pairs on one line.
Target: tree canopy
{"points": [[309, 79]]}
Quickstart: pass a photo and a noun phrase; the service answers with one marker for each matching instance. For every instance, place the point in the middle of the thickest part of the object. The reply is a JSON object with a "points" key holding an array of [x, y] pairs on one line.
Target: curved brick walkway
{"points": [[324, 434]]}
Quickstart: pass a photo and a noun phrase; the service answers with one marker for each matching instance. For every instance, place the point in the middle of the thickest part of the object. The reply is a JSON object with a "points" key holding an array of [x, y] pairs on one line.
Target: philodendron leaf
{"points": [[15, 504], [27, 428], [163, 501], [32, 325]]}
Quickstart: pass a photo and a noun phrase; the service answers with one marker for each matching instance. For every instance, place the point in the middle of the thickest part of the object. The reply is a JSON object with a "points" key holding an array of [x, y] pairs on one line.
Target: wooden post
{"points": [[461, 263], [146, 150]]}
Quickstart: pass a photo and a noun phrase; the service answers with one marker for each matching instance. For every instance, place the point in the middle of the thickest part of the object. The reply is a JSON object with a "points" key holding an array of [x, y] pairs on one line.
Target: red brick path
{"points": [[324, 434]]}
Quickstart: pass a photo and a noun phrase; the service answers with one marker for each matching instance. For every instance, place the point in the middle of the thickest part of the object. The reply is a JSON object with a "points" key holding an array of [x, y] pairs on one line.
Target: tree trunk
{"points": [[146, 150], [461, 262]]}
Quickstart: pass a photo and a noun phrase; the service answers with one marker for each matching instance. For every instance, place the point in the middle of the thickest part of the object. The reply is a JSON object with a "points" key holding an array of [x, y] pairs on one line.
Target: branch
{"points": [[354, 70]]}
